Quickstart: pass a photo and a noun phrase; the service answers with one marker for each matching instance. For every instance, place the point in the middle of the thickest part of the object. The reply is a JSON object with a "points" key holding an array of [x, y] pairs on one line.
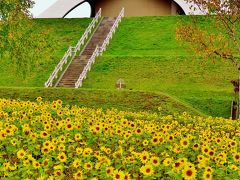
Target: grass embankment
{"points": [[65, 33], [122, 100], [145, 53]]}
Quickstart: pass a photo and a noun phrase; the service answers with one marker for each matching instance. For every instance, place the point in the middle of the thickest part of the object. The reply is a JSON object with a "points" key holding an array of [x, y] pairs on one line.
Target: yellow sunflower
{"points": [[184, 142], [88, 166], [21, 153], [147, 170], [62, 157], [76, 163], [109, 171], [189, 173], [167, 161], [155, 161], [144, 157]]}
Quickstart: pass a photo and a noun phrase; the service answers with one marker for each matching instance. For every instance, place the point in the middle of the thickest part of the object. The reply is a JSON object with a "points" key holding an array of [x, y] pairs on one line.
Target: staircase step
{"points": [[77, 65]]}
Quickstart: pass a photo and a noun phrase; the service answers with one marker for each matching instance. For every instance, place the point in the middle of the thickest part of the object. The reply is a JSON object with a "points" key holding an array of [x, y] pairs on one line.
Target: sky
{"points": [[42, 5]]}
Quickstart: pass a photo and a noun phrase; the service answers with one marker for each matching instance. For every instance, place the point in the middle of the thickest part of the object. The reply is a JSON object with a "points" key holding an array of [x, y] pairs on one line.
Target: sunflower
{"points": [[144, 157], [59, 113], [195, 147], [44, 134], [138, 131], [6, 165], [205, 150], [147, 170], [36, 164], [170, 138], [155, 161], [78, 175], [109, 171], [118, 175], [167, 161], [69, 126], [77, 137], [45, 150], [21, 153], [184, 142], [3, 135], [127, 176], [189, 173], [79, 150], [76, 163], [233, 167], [59, 102], [145, 142], [177, 166], [62, 138], [209, 169], [233, 143], [207, 175], [61, 147], [88, 166], [47, 143], [236, 157], [62, 157], [14, 142], [58, 173], [119, 131], [45, 162], [155, 140], [87, 152], [39, 99], [107, 150]]}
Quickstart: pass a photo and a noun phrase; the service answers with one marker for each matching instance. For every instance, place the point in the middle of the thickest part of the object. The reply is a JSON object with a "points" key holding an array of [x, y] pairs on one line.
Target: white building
{"points": [[63, 8]]}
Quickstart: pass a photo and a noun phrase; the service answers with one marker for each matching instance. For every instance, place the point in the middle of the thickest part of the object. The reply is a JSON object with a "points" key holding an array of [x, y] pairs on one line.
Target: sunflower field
{"points": [[46, 140]]}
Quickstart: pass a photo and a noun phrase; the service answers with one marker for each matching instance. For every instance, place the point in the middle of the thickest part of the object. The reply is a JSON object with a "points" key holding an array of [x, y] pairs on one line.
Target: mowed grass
{"points": [[65, 33], [136, 101], [145, 53]]}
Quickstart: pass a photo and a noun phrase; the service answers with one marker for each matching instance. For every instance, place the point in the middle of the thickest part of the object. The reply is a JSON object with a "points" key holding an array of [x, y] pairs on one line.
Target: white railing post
{"points": [[71, 52]]}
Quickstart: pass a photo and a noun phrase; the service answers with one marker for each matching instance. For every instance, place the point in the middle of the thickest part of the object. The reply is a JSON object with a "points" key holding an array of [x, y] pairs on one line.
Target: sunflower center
{"points": [[189, 172]]}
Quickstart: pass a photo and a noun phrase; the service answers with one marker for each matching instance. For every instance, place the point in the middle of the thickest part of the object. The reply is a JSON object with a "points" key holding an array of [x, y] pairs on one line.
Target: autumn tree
{"points": [[20, 42], [216, 35]]}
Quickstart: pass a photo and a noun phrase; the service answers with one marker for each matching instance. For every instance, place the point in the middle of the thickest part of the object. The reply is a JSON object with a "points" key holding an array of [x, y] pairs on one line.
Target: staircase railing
{"points": [[112, 31], [72, 51], [99, 50], [87, 68]]}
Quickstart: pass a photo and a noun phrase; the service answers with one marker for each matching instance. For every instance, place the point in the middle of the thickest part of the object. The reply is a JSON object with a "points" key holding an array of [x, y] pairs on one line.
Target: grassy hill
{"points": [[65, 33], [145, 53]]}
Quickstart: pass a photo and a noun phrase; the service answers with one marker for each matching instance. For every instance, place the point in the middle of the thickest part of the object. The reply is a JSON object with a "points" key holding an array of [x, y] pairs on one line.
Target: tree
{"points": [[220, 40], [19, 40]]}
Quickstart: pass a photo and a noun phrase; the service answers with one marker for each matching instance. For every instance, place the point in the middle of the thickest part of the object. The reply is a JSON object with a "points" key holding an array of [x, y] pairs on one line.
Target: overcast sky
{"points": [[42, 5]]}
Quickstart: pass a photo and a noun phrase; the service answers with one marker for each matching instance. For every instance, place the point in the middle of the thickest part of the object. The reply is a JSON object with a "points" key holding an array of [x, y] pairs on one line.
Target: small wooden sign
{"points": [[120, 84]]}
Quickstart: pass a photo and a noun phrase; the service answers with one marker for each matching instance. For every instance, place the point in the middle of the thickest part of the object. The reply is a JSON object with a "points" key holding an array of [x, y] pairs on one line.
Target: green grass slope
{"points": [[145, 53], [65, 33], [122, 100]]}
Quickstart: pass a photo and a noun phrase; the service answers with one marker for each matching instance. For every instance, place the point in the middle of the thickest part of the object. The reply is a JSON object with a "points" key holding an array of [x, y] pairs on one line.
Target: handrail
{"points": [[72, 51], [99, 50], [87, 68], [112, 30]]}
